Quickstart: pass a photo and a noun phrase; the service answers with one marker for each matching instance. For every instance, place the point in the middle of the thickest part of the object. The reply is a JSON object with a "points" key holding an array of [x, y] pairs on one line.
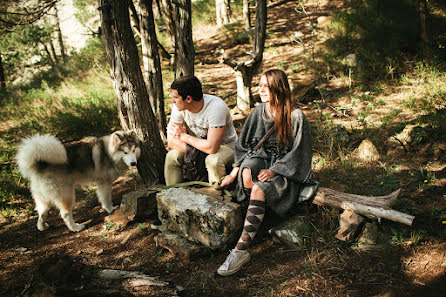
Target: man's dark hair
{"points": [[188, 85]]}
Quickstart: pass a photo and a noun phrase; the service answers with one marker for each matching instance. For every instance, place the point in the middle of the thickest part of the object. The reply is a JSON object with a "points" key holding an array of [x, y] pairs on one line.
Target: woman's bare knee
{"points": [[247, 178]]}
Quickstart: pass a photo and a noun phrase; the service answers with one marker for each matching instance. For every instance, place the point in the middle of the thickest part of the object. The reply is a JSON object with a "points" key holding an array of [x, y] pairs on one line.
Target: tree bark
{"points": [[369, 206], [2, 76], [424, 37], [133, 102], [184, 45], [134, 18], [245, 71], [166, 10], [59, 36], [53, 51], [246, 16], [51, 59], [152, 65], [223, 12]]}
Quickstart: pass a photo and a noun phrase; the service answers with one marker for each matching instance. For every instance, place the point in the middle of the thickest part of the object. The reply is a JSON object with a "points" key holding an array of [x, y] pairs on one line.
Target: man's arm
{"points": [[210, 145]]}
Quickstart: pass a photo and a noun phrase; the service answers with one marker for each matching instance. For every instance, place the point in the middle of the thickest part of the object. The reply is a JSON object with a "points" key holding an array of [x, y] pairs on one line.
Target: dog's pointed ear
{"points": [[134, 135], [116, 137]]}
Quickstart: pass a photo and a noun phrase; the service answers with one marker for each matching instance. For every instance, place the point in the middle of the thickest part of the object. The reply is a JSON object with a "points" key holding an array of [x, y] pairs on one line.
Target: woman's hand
{"points": [[229, 179], [265, 174]]}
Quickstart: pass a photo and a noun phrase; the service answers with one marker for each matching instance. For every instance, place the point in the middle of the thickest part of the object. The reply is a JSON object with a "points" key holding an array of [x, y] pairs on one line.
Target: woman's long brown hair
{"points": [[280, 103]]}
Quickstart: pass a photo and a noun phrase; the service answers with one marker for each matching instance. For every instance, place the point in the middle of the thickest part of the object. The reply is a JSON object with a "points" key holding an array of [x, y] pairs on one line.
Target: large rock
{"points": [[200, 218], [293, 233]]}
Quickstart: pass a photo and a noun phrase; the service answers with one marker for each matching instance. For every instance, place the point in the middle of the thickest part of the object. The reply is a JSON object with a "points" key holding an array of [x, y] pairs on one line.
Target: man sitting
{"points": [[209, 119]]}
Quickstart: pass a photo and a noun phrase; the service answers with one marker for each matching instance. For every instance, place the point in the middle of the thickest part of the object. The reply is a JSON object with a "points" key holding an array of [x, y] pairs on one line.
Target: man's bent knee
{"points": [[174, 157], [215, 167]]}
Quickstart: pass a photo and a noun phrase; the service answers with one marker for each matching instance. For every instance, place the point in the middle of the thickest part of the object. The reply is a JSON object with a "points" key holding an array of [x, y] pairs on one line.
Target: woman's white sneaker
{"points": [[235, 260]]}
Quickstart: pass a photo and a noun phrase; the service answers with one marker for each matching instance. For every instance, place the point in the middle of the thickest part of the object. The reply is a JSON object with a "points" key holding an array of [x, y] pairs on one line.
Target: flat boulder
{"points": [[200, 217]]}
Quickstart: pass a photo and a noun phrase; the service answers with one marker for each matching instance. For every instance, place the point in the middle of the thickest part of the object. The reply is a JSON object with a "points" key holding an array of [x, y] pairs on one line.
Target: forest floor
{"points": [[326, 267]]}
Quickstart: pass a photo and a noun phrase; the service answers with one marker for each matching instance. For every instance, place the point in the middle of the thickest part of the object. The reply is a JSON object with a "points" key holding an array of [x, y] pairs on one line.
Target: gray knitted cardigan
{"points": [[292, 165]]}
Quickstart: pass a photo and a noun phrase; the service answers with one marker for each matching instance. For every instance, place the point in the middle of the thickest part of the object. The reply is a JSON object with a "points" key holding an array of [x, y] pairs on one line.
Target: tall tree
{"points": [[424, 37], [59, 35], [134, 107], [223, 12], [184, 45], [245, 71], [152, 64], [2, 75], [246, 16]]}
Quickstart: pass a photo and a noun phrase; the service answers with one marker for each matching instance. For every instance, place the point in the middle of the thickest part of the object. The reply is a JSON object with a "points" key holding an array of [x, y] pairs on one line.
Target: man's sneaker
{"points": [[235, 260], [156, 225]]}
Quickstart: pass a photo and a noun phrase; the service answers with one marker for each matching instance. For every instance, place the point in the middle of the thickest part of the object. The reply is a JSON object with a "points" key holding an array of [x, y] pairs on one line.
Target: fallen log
{"points": [[375, 207]]}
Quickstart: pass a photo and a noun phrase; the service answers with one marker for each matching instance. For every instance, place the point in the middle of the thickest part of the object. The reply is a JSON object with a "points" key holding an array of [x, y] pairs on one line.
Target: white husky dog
{"points": [[55, 168]]}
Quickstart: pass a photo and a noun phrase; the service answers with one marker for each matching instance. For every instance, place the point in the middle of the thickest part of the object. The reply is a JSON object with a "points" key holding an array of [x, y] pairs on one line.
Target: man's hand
{"points": [[265, 174], [175, 130]]}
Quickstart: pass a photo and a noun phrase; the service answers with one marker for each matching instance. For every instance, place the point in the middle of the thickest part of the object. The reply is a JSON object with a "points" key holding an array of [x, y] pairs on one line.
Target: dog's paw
{"points": [[42, 226], [110, 208], [77, 227]]}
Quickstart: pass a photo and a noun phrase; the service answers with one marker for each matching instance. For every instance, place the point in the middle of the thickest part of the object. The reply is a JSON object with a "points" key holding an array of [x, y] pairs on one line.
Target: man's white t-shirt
{"points": [[215, 113]]}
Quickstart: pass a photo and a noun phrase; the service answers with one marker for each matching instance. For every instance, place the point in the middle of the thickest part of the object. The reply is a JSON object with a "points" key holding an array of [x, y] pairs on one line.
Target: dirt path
{"points": [[325, 268]]}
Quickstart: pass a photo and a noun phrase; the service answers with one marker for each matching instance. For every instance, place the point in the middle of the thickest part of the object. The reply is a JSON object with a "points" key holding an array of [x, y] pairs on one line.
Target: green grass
{"points": [[75, 109]]}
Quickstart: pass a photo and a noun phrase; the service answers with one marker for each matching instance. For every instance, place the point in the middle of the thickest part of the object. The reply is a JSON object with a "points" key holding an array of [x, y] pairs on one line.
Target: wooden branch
{"points": [[369, 206], [228, 62], [164, 53]]}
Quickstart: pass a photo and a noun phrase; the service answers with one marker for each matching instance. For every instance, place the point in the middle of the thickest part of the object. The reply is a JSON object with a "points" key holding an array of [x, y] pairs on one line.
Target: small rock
{"points": [[370, 238], [350, 60], [178, 245], [367, 152], [324, 21], [293, 232]]}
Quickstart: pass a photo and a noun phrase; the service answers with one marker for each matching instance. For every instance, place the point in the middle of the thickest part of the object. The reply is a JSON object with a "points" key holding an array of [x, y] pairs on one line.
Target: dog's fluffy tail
{"points": [[38, 150]]}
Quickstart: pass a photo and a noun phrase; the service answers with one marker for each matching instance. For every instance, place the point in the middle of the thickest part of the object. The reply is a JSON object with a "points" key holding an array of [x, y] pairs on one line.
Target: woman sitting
{"points": [[273, 174]]}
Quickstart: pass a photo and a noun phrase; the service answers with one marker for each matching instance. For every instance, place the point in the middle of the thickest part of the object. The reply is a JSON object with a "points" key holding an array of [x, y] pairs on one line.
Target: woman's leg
{"points": [[254, 214], [254, 217]]}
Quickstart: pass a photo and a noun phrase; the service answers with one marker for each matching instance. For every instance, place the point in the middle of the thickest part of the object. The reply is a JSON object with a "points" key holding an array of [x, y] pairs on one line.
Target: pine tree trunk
{"points": [[166, 10], [51, 59], [243, 78], [245, 71], [152, 65], [184, 45], [60, 37], [134, 19], [223, 12], [53, 51], [2, 76], [260, 32], [134, 107], [246, 16], [424, 37]]}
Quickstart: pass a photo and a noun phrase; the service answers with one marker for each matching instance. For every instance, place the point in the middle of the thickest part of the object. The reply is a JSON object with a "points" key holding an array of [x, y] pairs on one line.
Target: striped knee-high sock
{"points": [[253, 220]]}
